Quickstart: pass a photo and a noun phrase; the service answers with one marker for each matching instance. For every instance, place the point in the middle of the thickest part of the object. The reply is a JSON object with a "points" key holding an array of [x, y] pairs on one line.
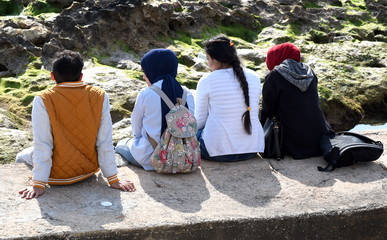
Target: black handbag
{"points": [[273, 131], [346, 148]]}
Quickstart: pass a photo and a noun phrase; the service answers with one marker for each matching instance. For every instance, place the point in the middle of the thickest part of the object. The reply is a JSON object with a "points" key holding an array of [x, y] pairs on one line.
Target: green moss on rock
{"points": [[234, 30], [191, 84], [27, 99], [318, 36], [341, 111], [10, 83], [133, 74], [354, 4], [118, 113], [17, 93], [38, 7], [10, 7], [310, 4]]}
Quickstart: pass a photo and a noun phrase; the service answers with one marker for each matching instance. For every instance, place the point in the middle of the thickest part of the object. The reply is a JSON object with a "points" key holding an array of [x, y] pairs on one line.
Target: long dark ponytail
{"points": [[222, 49]]}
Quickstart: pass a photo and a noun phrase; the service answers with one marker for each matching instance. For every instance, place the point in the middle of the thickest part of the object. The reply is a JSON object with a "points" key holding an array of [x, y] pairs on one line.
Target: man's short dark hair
{"points": [[67, 67]]}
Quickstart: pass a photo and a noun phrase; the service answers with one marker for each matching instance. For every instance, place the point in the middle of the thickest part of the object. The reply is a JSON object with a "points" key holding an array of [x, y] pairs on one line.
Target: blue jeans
{"points": [[123, 149], [221, 158]]}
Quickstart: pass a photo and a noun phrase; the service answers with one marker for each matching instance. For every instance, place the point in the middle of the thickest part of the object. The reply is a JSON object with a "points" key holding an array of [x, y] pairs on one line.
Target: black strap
{"points": [[276, 139], [328, 168], [332, 158]]}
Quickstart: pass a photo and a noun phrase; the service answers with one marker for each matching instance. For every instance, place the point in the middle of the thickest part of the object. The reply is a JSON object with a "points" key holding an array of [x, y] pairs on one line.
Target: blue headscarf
{"points": [[161, 64]]}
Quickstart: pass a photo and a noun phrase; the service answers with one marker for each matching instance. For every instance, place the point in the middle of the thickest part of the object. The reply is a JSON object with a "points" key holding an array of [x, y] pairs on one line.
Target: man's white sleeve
{"points": [[43, 143], [105, 148]]}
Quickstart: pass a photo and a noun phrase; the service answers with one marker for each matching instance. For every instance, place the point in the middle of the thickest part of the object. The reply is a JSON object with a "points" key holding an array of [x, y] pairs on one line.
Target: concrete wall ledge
{"points": [[255, 199]]}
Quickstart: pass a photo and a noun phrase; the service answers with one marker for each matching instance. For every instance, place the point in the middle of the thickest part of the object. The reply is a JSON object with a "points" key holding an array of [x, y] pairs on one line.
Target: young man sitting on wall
{"points": [[72, 131]]}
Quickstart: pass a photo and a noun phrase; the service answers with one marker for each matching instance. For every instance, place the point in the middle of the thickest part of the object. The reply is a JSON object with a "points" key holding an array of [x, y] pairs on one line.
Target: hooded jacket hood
{"points": [[297, 73]]}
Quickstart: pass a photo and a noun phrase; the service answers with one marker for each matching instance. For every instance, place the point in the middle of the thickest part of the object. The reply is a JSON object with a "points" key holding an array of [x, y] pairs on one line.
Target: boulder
{"points": [[276, 34], [21, 39], [254, 55], [13, 141], [121, 87], [352, 79], [122, 129], [122, 60], [13, 60]]}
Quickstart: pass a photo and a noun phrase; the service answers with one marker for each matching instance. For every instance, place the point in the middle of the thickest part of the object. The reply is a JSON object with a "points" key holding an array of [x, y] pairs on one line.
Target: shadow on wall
{"points": [[250, 182], [305, 171], [61, 211], [181, 192]]}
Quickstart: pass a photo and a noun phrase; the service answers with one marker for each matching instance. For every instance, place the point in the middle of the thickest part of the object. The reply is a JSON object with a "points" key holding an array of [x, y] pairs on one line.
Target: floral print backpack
{"points": [[178, 150]]}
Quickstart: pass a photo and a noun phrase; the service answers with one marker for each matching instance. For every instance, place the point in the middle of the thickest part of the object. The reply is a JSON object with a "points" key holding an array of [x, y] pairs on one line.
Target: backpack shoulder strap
{"points": [[163, 96]]}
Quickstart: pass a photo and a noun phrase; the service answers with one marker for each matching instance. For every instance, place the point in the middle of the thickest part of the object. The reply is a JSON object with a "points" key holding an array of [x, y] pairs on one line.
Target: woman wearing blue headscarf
{"points": [[148, 115]]}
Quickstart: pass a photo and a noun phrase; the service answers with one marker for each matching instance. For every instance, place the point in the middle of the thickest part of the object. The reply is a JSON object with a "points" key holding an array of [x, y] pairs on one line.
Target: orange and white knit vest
{"points": [[75, 115]]}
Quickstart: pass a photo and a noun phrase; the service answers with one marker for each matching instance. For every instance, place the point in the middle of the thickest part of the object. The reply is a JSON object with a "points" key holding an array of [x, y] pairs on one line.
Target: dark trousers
{"points": [[221, 158]]}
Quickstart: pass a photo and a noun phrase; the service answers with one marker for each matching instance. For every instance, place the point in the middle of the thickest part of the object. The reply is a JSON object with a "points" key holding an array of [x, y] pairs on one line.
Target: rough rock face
{"points": [[12, 141], [352, 79], [21, 39], [344, 41]]}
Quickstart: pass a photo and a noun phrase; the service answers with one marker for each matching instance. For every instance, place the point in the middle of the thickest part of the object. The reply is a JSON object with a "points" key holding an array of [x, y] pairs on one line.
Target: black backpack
{"points": [[345, 148]]}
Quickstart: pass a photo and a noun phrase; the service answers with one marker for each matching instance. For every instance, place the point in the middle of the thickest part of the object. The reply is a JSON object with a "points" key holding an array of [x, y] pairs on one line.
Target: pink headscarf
{"points": [[277, 54]]}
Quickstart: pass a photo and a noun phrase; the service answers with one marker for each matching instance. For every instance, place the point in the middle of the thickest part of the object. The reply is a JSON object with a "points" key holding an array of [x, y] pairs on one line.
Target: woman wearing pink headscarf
{"points": [[290, 93]]}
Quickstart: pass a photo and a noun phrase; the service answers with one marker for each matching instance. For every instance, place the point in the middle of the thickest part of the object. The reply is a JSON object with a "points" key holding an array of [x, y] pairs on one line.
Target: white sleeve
{"points": [[138, 115], [201, 103], [104, 144], [190, 100], [43, 141]]}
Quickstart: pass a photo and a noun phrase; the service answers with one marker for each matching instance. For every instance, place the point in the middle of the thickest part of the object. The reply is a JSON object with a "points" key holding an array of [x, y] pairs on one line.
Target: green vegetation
{"points": [[27, 99], [186, 38], [10, 7], [179, 9], [324, 92], [10, 83], [40, 6], [294, 31], [234, 30], [123, 46], [12, 142], [185, 41], [227, 5], [185, 46], [97, 59], [191, 84], [336, 4], [353, 4], [118, 112], [363, 30], [17, 93], [318, 36], [132, 74], [311, 5], [356, 22]]}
